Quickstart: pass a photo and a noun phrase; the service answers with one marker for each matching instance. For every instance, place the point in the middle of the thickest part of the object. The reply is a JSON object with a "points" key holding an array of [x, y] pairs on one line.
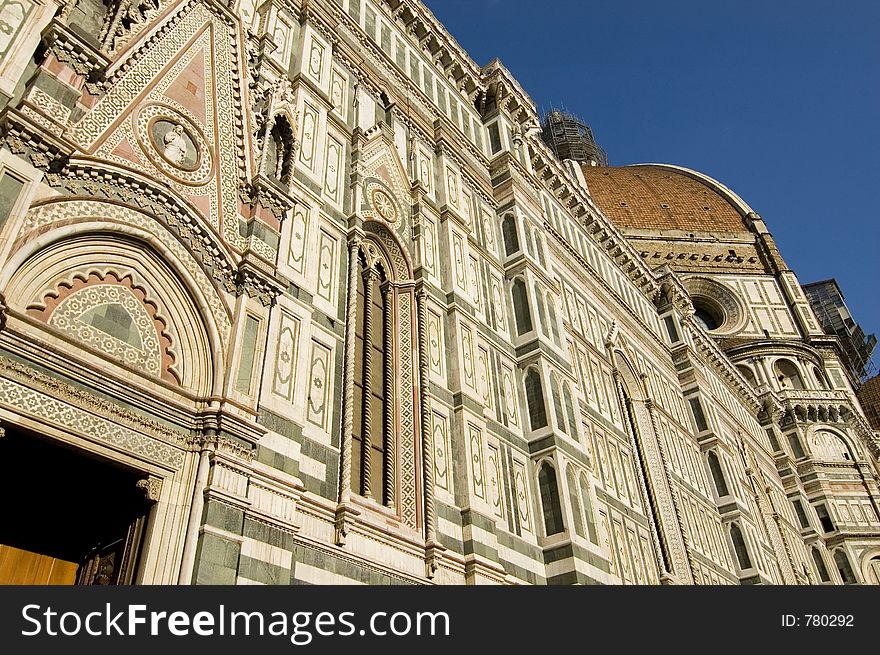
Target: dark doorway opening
{"points": [[67, 516]]}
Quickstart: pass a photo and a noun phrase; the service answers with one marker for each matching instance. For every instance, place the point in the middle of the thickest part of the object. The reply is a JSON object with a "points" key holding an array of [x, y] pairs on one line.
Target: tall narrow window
{"points": [[801, 513], [542, 314], [671, 329], [552, 319], [368, 435], [521, 311], [571, 479], [508, 233], [557, 402], [821, 569], [796, 448], [824, 518], [774, 442], [717, 474], [539, 250], [843, 567], [588, 509], [699, 415], [535, 400], [530, 244], [550, 503], [739, 547], [494, 138], [569, 410]]}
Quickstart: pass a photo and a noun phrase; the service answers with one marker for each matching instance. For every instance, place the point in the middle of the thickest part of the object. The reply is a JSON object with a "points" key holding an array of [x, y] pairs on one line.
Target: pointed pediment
{"points": [[188, 87], [386, 187], [171, 113]]}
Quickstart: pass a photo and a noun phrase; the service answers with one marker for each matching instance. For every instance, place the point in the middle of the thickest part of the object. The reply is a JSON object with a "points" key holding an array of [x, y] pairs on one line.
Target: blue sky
{"points": [[778, 99]]}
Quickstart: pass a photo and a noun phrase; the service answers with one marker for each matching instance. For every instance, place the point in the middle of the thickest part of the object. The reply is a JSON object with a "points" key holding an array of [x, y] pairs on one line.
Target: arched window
{"points": [[821, 569], [843, 567], [508, 233], [550, 503], [587, 504], [552, 319], [573, 493], [824, 518], [739, 547], [539, 250], [788, 375], [521, 311], [542, 315], [820, 378], [828, 447], [369, 431], [717, 474], [748, 374], [569, 410], [530, 244], [557, 402], [535, 400]]}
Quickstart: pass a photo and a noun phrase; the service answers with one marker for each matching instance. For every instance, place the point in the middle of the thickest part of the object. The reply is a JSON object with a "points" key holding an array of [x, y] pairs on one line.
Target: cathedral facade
{"points": [[294, 292]]}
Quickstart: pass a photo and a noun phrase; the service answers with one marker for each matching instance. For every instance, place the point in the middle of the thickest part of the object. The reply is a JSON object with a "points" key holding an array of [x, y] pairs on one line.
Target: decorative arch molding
{"points": [[820, 438], [60, 219], [130, 190], [396, 256], [772, 350], [151, 280], [385, 190]]}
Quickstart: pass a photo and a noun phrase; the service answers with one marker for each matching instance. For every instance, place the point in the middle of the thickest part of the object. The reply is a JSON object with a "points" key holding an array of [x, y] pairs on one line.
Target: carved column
{"points": [[390, 435], [206, 446], [644, 483], [433, 549], [680, 532], [367, 414], [667, 520], [760, 371], [344, 513]]}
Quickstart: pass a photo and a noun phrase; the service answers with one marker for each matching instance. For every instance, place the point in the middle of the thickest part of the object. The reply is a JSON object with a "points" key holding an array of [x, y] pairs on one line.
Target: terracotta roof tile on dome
{"points": [[659, 197]]}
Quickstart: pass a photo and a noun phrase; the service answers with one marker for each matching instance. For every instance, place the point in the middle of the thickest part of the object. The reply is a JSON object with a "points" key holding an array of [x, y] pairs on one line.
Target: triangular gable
{"points": [[384, 177], [173, 115]]}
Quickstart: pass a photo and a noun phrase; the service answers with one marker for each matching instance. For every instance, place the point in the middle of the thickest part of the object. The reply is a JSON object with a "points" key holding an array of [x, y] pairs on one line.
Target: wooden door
{"points": [[22, 567]]}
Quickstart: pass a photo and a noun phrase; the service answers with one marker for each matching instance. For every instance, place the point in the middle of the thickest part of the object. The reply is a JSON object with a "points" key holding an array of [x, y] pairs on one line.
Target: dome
{"points": [[659, 196]]}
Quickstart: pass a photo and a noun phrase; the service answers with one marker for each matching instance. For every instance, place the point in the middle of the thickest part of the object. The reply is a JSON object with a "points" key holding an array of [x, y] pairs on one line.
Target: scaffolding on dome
{"points": [[571, 138]]}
